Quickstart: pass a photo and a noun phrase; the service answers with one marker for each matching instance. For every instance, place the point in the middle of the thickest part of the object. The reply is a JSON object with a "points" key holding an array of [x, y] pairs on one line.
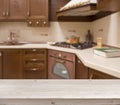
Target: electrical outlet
{"points": [[72, 30], [100, 30], [44, 34]]}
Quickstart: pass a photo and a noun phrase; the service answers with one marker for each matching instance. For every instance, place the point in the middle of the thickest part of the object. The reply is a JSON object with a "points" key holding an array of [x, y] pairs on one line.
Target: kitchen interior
{"points": [[58, 40]]}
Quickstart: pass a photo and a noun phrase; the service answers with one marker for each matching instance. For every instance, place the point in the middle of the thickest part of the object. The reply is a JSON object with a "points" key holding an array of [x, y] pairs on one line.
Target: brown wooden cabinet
{"points": [[13, 9], [34, 64], [94, 74], [2, 9], [37, 12], [17, 9], [12, 64], [109, 5], [81, 71], [1, 64], [23, 64]]}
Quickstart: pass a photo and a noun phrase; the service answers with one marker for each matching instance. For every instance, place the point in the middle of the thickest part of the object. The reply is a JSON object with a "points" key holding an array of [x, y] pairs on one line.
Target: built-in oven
{"points": [[61, 65]]}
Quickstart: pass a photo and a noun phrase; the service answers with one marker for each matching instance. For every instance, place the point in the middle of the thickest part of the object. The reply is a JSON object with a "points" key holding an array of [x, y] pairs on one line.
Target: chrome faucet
{"points": [[11, 38]]}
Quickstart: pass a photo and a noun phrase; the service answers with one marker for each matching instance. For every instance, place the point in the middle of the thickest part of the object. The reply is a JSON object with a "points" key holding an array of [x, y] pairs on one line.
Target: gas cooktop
{"points": [[82, 45]]}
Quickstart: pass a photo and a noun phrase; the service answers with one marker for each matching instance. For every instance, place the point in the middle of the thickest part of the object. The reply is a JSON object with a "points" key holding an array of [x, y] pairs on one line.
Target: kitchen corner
{"points": [[47, 52], [87, 56]]}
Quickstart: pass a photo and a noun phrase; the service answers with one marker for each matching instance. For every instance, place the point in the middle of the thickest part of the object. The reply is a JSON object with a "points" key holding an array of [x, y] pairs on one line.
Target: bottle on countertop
{"points": [[89, 37]]}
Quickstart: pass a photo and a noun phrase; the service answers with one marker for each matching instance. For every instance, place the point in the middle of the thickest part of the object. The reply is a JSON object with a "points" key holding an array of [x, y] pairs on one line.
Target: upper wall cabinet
{"points": [[2, 9], [37, 12], [109, 5], [13, 9], [17, 9]]}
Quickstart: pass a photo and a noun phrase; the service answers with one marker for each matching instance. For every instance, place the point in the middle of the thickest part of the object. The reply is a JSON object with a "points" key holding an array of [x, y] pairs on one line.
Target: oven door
{"points": [[60, 69]]}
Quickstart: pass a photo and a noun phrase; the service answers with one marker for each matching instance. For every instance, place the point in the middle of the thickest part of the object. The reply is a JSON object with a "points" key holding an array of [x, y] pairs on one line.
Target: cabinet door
{"points": [[109, 5], [38, 8], [12, 64], [94, 74], [37, 13], [81, 70], [0, 65], [2, 9], [17, 9]]}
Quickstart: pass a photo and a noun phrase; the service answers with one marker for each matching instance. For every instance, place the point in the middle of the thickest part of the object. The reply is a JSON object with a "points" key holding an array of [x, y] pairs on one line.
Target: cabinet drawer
{"points": [[34, 57], [35, 53], [62, 55], [34, 65], [34, 50], [33, 69], [34, 73], [37, 63]]}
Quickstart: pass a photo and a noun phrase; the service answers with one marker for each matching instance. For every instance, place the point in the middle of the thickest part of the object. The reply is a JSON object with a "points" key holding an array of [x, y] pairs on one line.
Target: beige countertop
{"points": [[106, 65], [59, 89]]}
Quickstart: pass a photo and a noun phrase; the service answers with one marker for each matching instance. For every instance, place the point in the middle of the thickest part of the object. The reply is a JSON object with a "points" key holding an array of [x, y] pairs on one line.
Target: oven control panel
{"points": [[61, 55]]}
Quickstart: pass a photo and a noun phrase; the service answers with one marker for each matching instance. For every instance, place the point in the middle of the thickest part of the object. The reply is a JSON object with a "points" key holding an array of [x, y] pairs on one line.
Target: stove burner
{"points": [[83, 45]]}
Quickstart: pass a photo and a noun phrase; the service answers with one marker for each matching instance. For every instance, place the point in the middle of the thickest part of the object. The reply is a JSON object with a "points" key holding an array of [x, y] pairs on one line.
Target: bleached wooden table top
{"points": [[59, 89]]}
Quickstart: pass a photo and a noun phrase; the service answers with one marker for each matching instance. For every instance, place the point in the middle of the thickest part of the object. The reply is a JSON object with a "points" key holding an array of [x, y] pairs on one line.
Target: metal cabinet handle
{"points": [[44, 22], [4, 13], [34, 50], [59, 55], [34, 69], [91, 76], [34, 60], [28, 13], [37, 22], [7, 13], [79, 61], [0, 54], [30, 22]]}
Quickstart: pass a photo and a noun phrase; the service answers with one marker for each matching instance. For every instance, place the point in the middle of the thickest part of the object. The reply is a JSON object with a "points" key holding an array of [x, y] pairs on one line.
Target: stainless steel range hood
{"points": [[79, 8]]}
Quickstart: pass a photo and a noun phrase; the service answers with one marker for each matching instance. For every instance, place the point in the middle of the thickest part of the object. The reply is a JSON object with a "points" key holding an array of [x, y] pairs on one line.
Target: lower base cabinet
{"points": [[34, 64], [81, 70], [23, 64], [12, 64], [94, 74]]}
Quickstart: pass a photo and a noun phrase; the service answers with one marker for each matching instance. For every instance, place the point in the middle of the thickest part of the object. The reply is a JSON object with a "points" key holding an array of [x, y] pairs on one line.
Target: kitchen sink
{"points": [[12, 43]]}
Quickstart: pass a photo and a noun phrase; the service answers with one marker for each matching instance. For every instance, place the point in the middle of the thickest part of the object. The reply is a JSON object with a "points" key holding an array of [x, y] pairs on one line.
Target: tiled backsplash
{"points": [[57, 31], [107, 28]]}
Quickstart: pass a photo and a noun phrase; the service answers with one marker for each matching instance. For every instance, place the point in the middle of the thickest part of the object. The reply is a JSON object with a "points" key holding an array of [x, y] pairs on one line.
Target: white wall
{"points": [[109, 29], [57, 31]]}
